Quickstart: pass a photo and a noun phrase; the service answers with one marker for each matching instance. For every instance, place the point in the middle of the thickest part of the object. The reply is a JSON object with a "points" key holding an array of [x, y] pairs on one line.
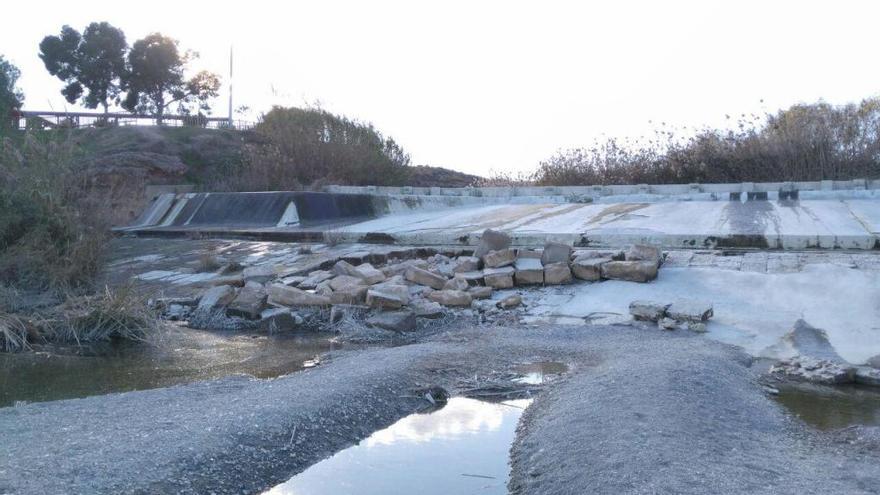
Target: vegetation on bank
{"points": [[807, 142]]}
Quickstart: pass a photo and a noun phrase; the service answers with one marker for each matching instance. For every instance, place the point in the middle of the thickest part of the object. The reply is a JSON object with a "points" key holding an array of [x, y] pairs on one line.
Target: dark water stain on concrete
{"points": [[830, 408], [461, 448], [56, 372]]}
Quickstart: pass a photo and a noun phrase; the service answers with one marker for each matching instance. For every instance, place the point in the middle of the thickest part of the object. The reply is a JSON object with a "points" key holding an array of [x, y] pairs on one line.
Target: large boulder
{"points": [[283, 295], [499, 278], [633, 271], [249, 302], [492, 240], [556, 252], [586, 267], [557, 273], [529, 271], [451, 297], [496, 259], [396, 321], [426, 278], [216, 297], [648, 310]]}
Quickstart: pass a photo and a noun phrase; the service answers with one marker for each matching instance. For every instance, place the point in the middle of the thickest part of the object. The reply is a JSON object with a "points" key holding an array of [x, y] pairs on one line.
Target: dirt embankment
{"points": [[640, 411]]}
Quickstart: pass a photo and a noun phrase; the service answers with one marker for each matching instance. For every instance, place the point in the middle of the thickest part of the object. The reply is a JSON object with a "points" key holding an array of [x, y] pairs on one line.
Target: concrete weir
{"points": [[808, 215]]}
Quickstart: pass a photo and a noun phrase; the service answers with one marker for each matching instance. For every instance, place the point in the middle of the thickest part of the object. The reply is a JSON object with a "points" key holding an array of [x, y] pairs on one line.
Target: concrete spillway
{"points": [[822, 215]]}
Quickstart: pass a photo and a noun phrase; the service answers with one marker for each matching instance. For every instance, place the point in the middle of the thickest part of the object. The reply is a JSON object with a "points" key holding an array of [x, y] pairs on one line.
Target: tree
{"points": [[155, 79], [90, 64], [10, 96]]}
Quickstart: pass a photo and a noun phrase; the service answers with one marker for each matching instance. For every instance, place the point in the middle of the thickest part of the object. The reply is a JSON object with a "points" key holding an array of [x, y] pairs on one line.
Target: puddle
{"points": [[55, 373], [461, 448], [540, 372], [829, 408]]}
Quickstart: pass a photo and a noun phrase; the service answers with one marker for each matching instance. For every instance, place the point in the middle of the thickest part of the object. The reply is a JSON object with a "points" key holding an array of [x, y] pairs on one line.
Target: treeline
{"points": [[806, 142]]}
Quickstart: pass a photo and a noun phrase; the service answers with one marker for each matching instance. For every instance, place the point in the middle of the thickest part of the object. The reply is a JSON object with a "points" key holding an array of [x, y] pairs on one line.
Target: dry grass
{"points": [[208, 262], [121, 313], [13, 333]]}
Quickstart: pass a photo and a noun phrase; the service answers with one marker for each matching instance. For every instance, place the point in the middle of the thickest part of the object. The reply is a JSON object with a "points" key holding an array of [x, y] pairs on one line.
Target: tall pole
{"points": [[230, 86]]}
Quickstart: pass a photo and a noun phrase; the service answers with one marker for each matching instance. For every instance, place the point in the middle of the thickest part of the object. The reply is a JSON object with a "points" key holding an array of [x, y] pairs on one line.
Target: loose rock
{"points": [[688, 310], [587, 267], [283, 295], [456, 283], [510, 301], [492, 240], [217, 297], [821, 371], [368, 273], [249, 303], [466, 264], [276, 320], [388, 296], [667, 323], [642, 252], [480, 292], [396, 321], [497, 259]]}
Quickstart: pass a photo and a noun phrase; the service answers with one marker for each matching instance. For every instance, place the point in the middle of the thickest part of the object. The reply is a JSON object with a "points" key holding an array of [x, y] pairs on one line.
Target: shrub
{"points": [[50, 237], [806, 142], [296, 147]]}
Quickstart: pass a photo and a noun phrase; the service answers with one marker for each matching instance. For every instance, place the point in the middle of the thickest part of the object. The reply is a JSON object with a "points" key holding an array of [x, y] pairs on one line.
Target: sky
{"points": [[496, 86]]}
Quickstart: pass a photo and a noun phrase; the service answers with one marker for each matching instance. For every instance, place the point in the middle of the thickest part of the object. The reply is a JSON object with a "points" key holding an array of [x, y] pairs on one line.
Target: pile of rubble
{"points": [[402, 290], [688, 314]]}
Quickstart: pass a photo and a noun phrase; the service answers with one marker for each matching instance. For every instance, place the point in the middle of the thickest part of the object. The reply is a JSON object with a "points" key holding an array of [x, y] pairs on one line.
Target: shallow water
{"points": [[184, 356], [829, 408], [540, 372], [461, 448]]}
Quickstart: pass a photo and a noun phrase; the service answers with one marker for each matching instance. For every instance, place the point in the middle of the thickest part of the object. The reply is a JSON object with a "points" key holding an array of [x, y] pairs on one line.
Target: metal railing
{"points": [[27, 119]]}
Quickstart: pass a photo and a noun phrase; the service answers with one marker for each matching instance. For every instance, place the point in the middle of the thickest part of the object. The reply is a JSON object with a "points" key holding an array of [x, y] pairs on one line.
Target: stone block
{"points": [[648, 310], [451, 297], [388, 295], [557, 273], [642, 252], [315, 278], [217, 297], [283, 295], [456, 283], [342, 282], [497, 259], [529, 271], [633, 271], [396, 321], [510, 301], [368, 273], [492, 240], [249, 302], [466, 264], [555, 252], [587, 267], [480, 292], [353, 295], [426, 278], [499, 278], [687, 310]]}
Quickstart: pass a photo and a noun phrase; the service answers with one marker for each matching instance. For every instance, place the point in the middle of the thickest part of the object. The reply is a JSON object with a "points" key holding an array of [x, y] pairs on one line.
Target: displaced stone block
{"points": [[473, 278], [648, 310], [492, 240], [557, 273], [556, 252], [686, 310], [510, 301], [480, 292], [427, 309], [632, 271], [283, 295], [293, 280], [324, 288], [426, 278], [499, 278], [466, 264], [343, 267], [349, 295], [342, 282], [642, 252], [261, 273], [396, 321], [456, 283], [529, 271], [217, 297], [368, 273], [249, 303], [451, 297], [315, 278], [276, 320], [497, 259], [388, 296], [587, 267]]}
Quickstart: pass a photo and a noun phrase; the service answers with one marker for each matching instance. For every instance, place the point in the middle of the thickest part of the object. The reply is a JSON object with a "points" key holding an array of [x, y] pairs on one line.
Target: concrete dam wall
{"points": [[823, 215]]}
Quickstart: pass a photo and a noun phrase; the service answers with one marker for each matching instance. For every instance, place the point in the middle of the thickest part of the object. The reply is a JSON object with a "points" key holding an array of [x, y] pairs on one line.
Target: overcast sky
{"points": [[497, 85]]}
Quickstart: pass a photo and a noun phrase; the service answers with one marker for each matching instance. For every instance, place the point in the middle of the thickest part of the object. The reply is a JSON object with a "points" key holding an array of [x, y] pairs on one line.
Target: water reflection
{"points": [[462, 448], [830, 408], [540, 372]]}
